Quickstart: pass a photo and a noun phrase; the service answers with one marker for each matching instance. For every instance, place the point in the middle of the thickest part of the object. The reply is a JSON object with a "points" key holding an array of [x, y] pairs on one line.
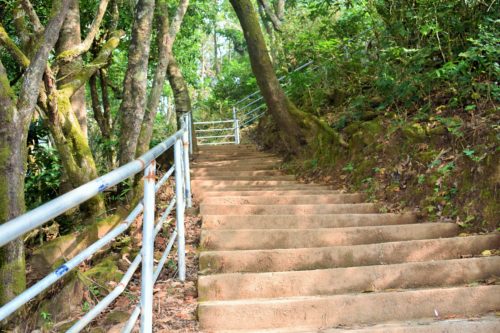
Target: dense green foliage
{"points": [[414, 67], [425, 62]]}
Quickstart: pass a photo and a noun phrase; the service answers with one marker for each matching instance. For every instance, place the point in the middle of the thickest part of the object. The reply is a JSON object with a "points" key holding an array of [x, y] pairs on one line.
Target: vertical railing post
{"points": [[180, 207], [185, 156], [190, 131], [236, 127], [148, 249]]}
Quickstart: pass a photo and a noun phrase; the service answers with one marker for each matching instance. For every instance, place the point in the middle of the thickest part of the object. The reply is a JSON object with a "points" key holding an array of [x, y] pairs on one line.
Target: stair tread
{"points": [[345, 280], [348, 309], [483, 324]]}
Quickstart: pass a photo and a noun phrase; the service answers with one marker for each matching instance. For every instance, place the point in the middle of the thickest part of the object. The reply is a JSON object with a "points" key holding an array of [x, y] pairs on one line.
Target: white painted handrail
{"points": [[241, 117], [181, 141]]}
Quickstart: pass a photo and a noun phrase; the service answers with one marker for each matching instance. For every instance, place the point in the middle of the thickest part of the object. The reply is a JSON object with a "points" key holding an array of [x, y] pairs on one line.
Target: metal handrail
{"points": [[218, 143], [215, 129], [251, 103], [216, 136], [181, 141], [249, 121], [213, 122], [281, 78], [235, 131], [246, 117]]}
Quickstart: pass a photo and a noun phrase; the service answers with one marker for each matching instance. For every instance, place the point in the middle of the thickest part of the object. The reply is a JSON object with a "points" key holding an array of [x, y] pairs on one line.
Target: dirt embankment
{"points": [[445, 168]]}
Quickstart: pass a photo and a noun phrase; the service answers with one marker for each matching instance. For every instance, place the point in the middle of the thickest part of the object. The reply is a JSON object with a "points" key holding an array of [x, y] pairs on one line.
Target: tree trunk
{"points": [[181, 93], [179, 87], [69, 38], [73, 148], [270, 34], [15, 115], [135, 83], [166, 38], [216, 50], [12, 171], [275, 20], [101, 115], [278, 105]]}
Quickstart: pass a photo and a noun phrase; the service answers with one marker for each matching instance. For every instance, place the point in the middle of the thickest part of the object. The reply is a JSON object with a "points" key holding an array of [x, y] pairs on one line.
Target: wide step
{"points": [[285, 199], [264, 191], [374, 278], [234, 222], [250, 239], [279, 260], [489, 324], [347, 310], [207, 209]]}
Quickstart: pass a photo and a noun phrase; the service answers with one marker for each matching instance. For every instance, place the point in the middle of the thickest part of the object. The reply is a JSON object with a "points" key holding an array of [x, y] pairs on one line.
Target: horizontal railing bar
{"points": [[166, 213], [256, 117], [279, 79], [46, 212], [212, 122], [50, 279], [137, 310], [215, 129], [132, 320], [251, 103], [164, 257], [302, 66], [247, 97], [255, 109], [216, 136], [216, 143], [164, 178]]}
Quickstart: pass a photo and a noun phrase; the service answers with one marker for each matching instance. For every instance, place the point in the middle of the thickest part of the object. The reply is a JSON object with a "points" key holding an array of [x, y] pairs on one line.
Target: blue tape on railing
{"points": [[61, 270], [102, 187]]}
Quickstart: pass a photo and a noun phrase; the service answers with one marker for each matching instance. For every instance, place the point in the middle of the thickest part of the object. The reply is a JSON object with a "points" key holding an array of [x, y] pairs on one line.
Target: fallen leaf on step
{"points": [[486, 253]]}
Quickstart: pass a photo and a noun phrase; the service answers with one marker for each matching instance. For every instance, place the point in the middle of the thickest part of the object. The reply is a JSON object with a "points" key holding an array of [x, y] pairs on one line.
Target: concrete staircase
{"points": [[280, 256]]}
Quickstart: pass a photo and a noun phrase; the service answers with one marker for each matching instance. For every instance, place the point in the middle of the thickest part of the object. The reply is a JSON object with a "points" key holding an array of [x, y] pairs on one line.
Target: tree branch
{"points": [[7, 95], [84, 46], [30, 11], [12, 48], [177, 21], [272, 16], [31, 80], [19, 23], [99, 61], [280, 10]]}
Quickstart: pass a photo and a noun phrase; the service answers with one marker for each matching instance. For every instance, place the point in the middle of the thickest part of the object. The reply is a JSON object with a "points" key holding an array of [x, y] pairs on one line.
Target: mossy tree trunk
{"points": [[181, 93], [133, 104], [70, 140], [56, 101], [12, 170], [69, 38], [102, 116], [276, 100], [16, 112]]}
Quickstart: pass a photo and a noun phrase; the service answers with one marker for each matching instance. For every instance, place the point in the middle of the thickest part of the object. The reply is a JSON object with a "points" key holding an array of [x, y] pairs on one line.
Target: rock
{"points": [[105, 271], [50, 255], [63, 303]]}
